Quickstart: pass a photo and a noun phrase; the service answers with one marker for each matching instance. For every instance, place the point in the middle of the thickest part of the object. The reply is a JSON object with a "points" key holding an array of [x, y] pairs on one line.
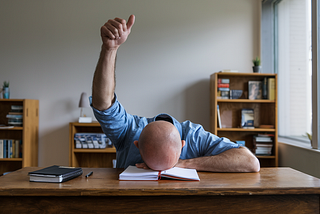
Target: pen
{"points": [[90, 173]]}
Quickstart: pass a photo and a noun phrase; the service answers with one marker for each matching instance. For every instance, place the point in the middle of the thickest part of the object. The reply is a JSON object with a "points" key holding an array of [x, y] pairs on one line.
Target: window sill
{"points": [[297, 143]]}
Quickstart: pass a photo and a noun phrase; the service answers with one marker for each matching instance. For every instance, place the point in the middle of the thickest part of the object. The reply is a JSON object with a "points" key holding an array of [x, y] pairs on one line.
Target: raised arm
{"points": [[232, 160], [113, 33]]}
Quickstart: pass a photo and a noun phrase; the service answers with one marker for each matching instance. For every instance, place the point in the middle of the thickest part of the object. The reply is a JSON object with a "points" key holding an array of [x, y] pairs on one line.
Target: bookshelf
{"points": [[93, 158], [28, 133], [265, 113]]}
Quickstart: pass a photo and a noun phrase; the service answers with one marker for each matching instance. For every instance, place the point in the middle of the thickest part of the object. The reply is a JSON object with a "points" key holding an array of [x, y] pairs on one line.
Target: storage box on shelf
{"points": [[88, 157], [265, 113], [27, 133]]}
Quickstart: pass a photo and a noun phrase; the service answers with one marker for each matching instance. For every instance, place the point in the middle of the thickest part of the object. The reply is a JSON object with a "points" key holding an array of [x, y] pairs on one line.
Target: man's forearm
{"points": [[233, 160], [104, 80]]}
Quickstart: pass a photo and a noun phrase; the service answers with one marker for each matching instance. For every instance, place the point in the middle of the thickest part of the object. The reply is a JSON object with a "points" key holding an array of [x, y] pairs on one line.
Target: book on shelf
{"points": [[271, 88], [235, 94], [263, 144], [15, 116], [247, 118], [1, 148], [223, 89], [91, 141], [226, 118], [223, 95], [265, 88], [229, 71], [16, 108], [55, 174], [221, 80], [10, 148], [255, 90], [139, 174], [219, 117], [223, 85]]}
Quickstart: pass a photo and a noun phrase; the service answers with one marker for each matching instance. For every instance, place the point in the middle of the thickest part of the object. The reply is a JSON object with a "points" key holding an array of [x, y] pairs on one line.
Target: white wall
{"points": [[49, 49]]}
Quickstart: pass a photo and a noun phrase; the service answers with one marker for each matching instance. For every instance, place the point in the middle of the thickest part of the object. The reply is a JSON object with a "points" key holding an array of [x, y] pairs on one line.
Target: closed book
{"points": [[9, 147], [265, 88], [235, 94], [5, 150], [247, 118], [219, 118], [223, 85], [223, 81], [223, 89], [134, 173], [1, 148], [55, 174], [271, 89]]}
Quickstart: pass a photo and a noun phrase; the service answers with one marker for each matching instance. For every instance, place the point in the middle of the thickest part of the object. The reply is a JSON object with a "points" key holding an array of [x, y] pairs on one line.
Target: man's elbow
{"points": [[254, 164]]}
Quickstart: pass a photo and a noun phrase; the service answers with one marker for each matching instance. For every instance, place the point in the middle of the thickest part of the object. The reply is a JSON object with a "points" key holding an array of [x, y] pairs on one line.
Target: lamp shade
{"points": [[84, 102]]}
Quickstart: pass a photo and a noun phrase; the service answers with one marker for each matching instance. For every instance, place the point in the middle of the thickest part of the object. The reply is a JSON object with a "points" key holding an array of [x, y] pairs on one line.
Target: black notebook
{"points": [[55, 174]]}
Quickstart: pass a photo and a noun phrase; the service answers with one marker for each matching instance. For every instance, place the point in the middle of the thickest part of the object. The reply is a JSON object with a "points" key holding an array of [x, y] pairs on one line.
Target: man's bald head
{"points": [[160, 145]]}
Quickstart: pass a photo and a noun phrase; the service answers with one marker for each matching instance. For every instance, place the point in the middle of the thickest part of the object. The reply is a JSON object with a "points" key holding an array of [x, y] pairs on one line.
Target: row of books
{"points": [[10, 148], [256, 89], [262, 89], [15, 116], [91, 141], [224, 91], [263, 143]]}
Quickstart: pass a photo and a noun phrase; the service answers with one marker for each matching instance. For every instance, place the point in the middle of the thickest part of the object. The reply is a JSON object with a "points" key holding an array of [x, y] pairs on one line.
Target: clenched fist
{"points": [[115, 32]]}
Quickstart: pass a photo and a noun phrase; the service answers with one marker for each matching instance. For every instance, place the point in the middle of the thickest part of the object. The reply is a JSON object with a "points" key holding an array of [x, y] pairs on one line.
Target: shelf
{"points": [[245, 130], [232, 74], [95, 124], [10, 159], [265, 156], [106, 150], [244, 101], [11, 129]]}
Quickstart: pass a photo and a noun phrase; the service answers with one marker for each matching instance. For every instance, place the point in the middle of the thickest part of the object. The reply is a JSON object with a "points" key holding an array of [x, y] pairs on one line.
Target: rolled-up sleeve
{"points": [[114, 121]]}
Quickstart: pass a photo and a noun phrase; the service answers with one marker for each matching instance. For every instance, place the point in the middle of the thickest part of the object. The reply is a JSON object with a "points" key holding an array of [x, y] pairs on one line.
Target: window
{"points": [[292, 56]]}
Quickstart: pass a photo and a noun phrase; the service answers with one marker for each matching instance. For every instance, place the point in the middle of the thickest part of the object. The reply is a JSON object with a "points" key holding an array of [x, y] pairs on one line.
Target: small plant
{"points": [[309, 136], [5, 84], [256, 61]]}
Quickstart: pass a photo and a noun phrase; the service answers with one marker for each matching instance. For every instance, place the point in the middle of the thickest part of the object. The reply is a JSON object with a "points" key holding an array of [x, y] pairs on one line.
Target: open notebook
{"points": [[134, 173]]}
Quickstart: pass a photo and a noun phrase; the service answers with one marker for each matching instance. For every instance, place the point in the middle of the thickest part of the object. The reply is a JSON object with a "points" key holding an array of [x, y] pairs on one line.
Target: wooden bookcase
{"points": [[28, 133], [93, 158], [265, 112]]}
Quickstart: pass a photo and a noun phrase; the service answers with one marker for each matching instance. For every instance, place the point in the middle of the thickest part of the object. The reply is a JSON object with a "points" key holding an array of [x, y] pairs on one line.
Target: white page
{"points": [[181, 173], [134, 173]]}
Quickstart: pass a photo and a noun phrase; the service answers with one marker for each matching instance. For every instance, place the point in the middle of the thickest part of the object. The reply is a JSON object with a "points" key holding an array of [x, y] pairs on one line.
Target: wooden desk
{"points": [[273, 190]]}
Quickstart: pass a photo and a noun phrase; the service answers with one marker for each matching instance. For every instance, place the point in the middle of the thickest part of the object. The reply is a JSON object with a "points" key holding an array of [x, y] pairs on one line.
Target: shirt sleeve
{"points": [[114, 121], [201, 143]]}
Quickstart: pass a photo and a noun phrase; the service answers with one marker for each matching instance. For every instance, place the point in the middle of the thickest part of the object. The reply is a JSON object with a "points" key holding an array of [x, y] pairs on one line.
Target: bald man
{"points": [[160, 142]]}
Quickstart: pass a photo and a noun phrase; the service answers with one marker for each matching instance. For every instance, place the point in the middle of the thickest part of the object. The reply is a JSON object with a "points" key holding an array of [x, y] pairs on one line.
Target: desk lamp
{"points": [[84, 103]]}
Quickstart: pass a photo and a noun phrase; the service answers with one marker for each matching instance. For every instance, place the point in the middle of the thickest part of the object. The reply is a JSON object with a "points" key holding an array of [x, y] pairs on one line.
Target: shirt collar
{"points": [[170, 119]]}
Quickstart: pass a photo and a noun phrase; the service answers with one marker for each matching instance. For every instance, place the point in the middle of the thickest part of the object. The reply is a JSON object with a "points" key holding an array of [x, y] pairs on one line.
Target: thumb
{"points": [[130, 22]]}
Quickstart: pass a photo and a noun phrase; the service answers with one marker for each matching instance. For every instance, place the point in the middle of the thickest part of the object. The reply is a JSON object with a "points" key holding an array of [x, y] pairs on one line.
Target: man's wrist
{"points": [[104, 48]]}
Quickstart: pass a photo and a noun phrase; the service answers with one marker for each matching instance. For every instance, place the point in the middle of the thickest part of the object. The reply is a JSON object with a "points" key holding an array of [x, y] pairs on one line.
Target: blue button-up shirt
{"points": [[123, 128]]}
